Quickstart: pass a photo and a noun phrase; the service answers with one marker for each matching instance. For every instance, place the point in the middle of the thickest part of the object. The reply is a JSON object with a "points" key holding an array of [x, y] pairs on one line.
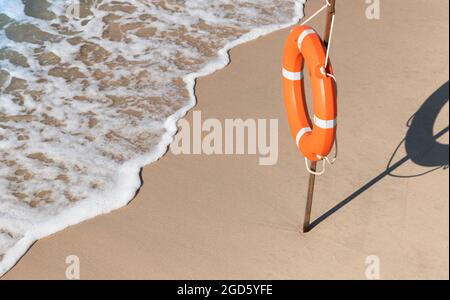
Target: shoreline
{"points": [[246, 231], [132, 169]]}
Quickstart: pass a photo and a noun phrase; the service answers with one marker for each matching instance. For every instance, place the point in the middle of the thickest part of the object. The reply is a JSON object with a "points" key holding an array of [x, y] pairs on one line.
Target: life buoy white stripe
{"points": [[294, 76], [300, 133], [325, 124], [302, 36]]}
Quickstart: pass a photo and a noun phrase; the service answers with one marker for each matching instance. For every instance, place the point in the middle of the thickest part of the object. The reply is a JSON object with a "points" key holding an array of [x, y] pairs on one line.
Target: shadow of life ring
{"points": [[421, 144]]}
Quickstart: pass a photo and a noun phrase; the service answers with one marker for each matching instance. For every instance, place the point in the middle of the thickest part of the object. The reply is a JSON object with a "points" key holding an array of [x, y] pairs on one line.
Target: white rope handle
{"points": [[322, 70], [335, 156], [325, 159], [314, 172]]}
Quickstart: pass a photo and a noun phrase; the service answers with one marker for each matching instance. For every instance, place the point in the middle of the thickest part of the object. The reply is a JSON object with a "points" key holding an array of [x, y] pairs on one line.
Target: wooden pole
{"points": [[330, 13], [312, 178], [309, 198]]}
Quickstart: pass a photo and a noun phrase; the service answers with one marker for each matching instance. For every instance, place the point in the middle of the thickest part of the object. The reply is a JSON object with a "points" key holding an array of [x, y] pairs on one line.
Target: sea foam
{"points": [[87, 100]]}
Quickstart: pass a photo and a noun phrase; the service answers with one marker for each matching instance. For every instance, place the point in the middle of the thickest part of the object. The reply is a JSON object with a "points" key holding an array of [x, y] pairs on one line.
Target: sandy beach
{"points": [[228, 217]]}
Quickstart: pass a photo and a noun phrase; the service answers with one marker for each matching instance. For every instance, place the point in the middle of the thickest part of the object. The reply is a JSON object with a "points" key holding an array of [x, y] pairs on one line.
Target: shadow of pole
{"points": [[421, 147]]}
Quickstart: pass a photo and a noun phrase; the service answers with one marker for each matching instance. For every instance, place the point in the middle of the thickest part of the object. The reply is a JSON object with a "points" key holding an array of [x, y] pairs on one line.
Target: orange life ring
{"points": [[314, 139]]}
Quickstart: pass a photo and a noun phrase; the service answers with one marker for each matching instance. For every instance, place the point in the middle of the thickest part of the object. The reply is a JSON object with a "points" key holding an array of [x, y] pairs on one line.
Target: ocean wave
{"points": [[90, 94]]}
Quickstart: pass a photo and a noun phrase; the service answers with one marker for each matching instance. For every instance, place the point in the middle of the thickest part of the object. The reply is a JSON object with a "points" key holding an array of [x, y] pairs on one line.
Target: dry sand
{"points": [[226, 217]]}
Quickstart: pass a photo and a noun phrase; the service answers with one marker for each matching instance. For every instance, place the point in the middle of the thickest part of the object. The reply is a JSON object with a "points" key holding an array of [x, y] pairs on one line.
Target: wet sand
{"points": [[227, 217]]}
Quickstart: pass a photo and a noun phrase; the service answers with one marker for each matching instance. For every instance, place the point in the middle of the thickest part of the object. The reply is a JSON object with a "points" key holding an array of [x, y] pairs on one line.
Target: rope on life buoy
{"points": [[327, 57], [325, 159], [317, 12]]}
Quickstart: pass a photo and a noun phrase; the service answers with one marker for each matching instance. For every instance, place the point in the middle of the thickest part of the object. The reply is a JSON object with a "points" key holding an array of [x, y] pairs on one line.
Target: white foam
{"points": [[119, 180], [13, 9]]}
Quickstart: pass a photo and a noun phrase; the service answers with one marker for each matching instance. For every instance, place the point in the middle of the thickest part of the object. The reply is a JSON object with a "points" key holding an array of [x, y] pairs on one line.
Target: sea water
{"points": [[90, 92]]}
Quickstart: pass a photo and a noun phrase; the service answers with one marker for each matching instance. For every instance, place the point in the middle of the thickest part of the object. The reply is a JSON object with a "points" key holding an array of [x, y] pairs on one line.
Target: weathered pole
{"points": [[312, 178]]}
